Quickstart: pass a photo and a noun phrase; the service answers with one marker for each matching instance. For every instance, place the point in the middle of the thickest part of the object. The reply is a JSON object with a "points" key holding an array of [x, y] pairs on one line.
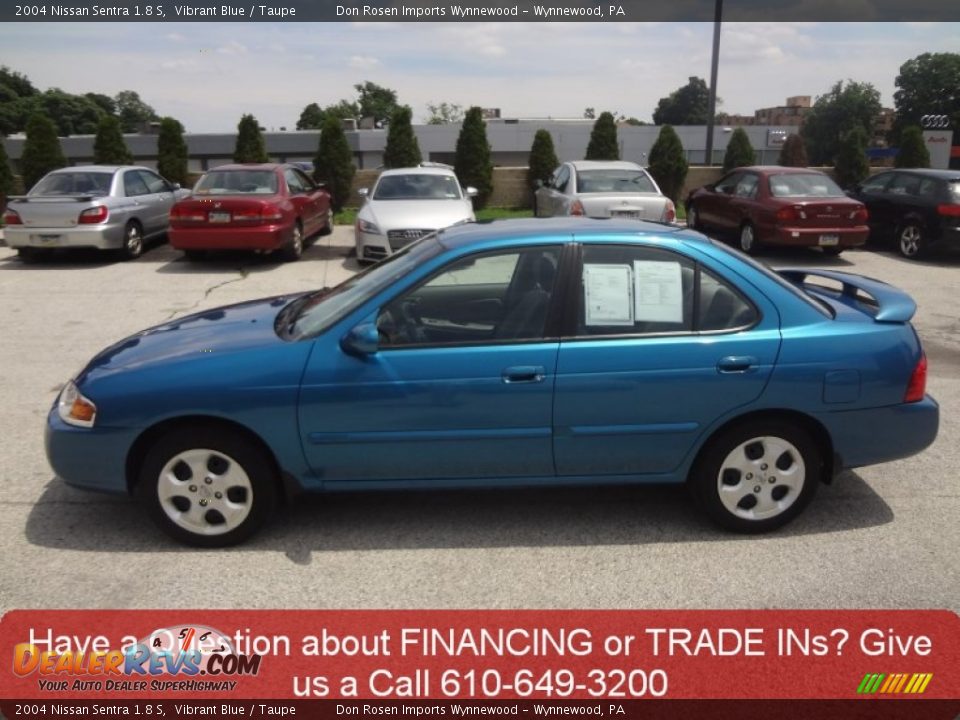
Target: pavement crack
{"points": [[244, 274]]}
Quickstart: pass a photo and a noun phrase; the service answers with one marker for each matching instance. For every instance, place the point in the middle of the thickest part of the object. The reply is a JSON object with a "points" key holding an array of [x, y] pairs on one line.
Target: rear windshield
{"points": [[804, 185], [417, 186], [74, 183], [614, 181], [237, 182]]}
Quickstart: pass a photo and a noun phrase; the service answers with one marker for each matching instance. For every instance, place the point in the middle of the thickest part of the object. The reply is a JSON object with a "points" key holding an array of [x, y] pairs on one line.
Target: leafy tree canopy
{"points": [[929, 84], [845, 107], [444, 113], [688, 105], [376, 101], [132, 111]]}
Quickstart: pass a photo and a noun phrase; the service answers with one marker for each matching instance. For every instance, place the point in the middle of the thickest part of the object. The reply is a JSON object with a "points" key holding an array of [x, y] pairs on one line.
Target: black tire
{"points": [[832, 251], [292, 251], [911, 240], [756, 499], [748, 241], [227, 458], [132, 241]]}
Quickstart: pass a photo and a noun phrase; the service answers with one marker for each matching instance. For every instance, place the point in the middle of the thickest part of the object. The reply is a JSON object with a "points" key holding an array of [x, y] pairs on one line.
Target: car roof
{"points": [[101, 168], [249, 166], [928, 172], [421, 170], [778, 169], [558, 229], [605, 165]]}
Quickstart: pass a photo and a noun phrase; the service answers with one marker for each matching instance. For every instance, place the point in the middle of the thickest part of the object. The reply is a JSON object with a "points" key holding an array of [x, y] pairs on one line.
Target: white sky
{"points": [[208, 74]]}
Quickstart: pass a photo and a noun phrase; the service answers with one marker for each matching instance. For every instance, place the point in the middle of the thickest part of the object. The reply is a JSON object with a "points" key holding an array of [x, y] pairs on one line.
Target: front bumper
{"points": [[811, 237], [266, 237], [88, 458], [101, 237], [877, 435]]}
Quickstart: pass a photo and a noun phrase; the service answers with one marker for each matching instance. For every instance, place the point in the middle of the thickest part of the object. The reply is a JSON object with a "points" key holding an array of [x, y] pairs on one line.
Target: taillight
{"points": [[94, 215], [859, 215], [270, 214], [952, 210], [917, 387], [182, 215], [670, 212], [576, 208], [12, 217], [790, 213]]}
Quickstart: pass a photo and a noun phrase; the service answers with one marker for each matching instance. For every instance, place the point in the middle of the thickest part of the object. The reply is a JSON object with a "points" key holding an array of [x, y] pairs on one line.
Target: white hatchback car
{"points": [[406, 204]]}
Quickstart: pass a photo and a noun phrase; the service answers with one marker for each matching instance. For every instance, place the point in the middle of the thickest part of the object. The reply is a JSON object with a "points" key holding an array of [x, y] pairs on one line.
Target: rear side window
{"points": [[721, 306]]}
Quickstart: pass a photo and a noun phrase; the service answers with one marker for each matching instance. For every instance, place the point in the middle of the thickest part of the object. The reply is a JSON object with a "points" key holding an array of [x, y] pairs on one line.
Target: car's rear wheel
{"points": [[132, 247], [294, 249], [910, 240], [748, 239], [758, 475], [208, 486]]}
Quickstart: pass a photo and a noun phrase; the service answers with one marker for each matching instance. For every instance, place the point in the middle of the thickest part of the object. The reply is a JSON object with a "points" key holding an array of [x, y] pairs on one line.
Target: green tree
{"points": [[73, 114], [109, 147], [913, 151], [739, 151], [927, 85], [603, 143], [543, 158], [343, 110], [333, 164], [688, 105], [250, 146], [172, 151], [311, 118], [834, 115], [668, 162], [793, 153], [444, 113], [132, 111], [6, 176], [104, 102], [852, 165], [41, 150], [376, 101], [17, 83], [472, 160], [402, 149]]}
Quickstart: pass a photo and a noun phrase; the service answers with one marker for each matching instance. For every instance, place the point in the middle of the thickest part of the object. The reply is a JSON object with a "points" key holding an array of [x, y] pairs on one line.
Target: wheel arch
{"points": [[809, 424], [287, 485]]}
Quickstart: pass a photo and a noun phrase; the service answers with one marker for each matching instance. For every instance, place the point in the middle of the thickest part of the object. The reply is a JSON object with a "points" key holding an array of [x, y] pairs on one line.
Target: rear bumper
{"points": [[811, 237], [877, 435], [102, 237], [266, 237], [949, 236]]}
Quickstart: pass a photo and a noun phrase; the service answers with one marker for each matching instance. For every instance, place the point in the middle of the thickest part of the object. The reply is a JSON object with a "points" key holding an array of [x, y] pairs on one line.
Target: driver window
{"points": [[563, 175], [727, 185], [490, 298], [293, 182]]}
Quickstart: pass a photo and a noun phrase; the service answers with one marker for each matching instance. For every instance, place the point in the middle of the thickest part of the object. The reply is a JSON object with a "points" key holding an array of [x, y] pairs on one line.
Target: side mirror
{"points": [[363, 192], [362, 340], [175, 186], [471, 192]]}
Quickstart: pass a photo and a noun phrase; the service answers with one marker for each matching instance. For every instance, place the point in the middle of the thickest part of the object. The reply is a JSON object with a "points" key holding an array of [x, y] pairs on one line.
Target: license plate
{"points": [[828, 240], [219, 217], [633, 214], [46, 239]]}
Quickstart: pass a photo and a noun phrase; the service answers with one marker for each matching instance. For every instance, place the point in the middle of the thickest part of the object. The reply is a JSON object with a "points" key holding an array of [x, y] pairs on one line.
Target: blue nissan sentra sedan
{"points": [[526, 352]]}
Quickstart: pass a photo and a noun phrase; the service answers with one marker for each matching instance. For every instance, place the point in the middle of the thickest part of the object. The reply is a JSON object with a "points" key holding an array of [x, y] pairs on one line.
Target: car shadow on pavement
{"points": [[937, 257], [65, 518], [228, 261]]}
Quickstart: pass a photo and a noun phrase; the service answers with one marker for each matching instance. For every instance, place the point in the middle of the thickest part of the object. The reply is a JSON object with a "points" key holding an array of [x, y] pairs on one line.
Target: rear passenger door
{"points": [[159, 199], [660, 348]]}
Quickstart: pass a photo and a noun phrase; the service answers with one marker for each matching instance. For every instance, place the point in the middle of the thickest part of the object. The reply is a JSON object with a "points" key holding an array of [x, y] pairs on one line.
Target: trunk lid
{"points": [[52, 212], [639, 206]]}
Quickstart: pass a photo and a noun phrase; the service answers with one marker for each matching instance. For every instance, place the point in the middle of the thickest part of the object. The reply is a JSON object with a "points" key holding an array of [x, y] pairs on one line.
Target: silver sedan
{"points": [[107, 207], [599, 189]]}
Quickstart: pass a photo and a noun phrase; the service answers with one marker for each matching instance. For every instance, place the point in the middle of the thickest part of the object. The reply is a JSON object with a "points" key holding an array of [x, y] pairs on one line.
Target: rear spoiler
{"points": [[73, 197], [893, 305]]}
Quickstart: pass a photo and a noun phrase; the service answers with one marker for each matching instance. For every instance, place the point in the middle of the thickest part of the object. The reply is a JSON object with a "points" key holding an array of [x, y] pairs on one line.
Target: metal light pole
{"points": [[712, 105]]}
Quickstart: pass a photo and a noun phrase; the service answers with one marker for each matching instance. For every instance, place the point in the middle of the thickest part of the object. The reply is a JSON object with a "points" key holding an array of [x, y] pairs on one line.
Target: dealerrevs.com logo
{"points": [[187, 658]]}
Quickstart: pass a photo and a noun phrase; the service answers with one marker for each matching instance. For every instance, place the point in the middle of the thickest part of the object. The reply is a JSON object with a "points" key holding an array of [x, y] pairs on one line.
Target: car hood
{"points": [[416, 214], [216, 331]]}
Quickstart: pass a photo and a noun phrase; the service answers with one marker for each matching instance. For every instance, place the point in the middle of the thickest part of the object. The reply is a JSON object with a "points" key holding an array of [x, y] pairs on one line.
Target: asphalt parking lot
{"points": [[883, 536]]}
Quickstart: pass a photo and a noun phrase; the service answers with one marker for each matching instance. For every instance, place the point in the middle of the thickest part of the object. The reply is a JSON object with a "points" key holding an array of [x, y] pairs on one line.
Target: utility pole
{"points": [[712, 105]]}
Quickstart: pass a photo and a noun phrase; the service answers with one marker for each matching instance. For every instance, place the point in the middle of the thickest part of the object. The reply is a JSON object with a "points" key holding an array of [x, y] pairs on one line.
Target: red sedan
{"points": [[774, 205], [251, 207]]}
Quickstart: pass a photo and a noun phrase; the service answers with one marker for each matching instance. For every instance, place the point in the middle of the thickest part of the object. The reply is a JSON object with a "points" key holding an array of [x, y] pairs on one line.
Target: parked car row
{"points": [[278, 207]]}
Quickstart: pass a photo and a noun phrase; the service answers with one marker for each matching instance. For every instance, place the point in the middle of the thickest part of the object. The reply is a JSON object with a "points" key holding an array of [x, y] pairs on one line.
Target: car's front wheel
{"points": [[207, 486], [758, 475]]}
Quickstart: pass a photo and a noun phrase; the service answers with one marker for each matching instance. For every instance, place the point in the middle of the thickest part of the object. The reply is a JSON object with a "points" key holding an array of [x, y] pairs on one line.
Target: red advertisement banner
{"points": [[332, 661]]}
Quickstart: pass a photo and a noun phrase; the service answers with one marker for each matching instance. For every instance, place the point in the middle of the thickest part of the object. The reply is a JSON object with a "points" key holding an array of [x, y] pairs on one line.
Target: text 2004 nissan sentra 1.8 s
{"points": [[521, 352]]}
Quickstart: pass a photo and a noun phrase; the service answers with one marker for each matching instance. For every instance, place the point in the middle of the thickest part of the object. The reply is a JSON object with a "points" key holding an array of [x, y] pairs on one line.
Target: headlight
{"points": [[74, 408], [368, 227]]}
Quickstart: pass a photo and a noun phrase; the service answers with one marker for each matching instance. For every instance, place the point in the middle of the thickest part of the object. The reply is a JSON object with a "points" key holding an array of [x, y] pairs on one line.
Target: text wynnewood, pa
{"points": [[480, 12]]}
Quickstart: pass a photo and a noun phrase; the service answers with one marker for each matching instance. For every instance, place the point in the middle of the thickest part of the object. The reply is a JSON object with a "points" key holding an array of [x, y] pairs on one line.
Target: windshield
{"points": [[237, 182], [804, 185], [74, 183], [417, 186], [614, 181], [321, 310]]}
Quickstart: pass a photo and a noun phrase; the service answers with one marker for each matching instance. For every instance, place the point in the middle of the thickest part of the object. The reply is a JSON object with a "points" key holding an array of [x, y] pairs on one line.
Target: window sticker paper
{"points": [[608, 294], [658, 291]]}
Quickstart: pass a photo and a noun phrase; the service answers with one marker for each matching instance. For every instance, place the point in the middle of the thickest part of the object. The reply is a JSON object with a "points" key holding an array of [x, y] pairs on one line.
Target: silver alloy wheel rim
{"points": [[205, 492], [133, 241], [910, 240], [746, 238], [297, 243], [761, 478]]}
